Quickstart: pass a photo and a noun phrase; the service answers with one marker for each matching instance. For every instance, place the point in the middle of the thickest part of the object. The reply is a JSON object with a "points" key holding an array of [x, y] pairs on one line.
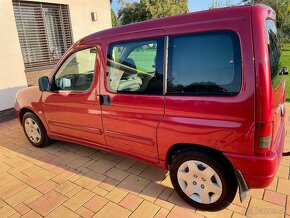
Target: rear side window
{"points": [[274, 52], [204, 64], [136, 67]]}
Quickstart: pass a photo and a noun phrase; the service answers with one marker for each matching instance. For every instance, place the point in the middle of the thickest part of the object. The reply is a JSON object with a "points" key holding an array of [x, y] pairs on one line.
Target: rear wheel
{"points": [[202, 179], [34, 130]]}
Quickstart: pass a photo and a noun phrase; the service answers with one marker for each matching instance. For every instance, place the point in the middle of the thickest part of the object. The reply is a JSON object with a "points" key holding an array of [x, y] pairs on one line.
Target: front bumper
{"points": [[17, 110]]}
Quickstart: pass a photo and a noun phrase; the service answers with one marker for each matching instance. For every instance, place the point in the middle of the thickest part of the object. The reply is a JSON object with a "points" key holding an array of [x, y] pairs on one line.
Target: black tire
{"points": [[44, 140], [222, 168]]}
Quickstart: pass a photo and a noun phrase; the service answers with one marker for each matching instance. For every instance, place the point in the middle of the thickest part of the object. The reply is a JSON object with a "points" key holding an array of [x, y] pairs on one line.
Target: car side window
{"points": [[206, 64], [77, 72], [136, 67]]}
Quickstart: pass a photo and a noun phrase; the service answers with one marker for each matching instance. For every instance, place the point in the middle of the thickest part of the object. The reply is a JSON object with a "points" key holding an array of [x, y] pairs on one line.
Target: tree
{"points": [[220, 4], [286, 27], [131, 13], [164, 8], [150, 9], [115, 20]]}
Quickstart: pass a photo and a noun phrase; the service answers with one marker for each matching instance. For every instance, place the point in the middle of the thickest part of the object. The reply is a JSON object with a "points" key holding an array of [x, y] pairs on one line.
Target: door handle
{"points": [[105, 100]]}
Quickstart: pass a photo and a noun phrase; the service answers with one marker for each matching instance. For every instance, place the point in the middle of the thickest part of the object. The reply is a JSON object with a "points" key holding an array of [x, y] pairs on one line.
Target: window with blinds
{"points": [[44, 32]]}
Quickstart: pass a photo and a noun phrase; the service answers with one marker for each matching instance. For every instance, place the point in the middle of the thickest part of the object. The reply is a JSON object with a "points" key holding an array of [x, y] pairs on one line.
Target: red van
{"points": [[201, 94]]}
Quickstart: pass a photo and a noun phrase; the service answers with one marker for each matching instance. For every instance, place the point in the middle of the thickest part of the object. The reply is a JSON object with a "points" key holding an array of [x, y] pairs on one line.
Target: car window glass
{"points": [[204, 64], [77, 72], [274, 52], [136, 67]]}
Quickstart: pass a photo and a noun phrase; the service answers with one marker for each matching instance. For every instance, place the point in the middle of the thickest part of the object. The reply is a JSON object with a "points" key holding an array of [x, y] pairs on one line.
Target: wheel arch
{"points": [[24, 111], [40, 117], [184, 146], [44, 139]]}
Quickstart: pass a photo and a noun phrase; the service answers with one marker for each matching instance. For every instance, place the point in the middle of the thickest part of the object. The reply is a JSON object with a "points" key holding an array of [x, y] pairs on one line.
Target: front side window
{"points": [[204, 64], [77, 72], [274, 52], [44, 32], [136, 67]]}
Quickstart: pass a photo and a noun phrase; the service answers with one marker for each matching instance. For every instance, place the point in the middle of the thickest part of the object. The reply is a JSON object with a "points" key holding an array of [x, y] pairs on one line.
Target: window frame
{"points": [[163, 67], [169, 65], [59, 65]]}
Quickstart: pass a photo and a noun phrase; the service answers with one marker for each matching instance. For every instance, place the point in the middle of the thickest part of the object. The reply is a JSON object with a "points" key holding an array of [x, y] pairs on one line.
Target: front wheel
{"points": [[34, 130], [203, 179]]}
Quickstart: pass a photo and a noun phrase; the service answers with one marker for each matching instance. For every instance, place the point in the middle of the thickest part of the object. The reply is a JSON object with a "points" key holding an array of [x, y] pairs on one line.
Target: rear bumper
{"points": [[259, 171]]}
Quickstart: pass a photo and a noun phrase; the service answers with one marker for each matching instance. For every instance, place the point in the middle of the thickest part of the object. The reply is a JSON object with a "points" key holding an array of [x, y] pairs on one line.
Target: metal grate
{"points": [[44, 32]]}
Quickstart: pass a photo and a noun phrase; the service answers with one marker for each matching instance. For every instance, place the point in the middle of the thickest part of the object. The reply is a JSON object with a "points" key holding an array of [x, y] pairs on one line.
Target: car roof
{"points": [[162, 23]]}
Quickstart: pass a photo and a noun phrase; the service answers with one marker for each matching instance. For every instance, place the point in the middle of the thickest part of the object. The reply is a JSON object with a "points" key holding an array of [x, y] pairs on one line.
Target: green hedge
{"points": [[286, 62]]}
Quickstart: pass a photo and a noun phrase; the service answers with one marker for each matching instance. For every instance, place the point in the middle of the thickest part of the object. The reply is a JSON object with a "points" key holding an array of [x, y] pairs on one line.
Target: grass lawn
{"points": [[286, 63], [144, 59]]}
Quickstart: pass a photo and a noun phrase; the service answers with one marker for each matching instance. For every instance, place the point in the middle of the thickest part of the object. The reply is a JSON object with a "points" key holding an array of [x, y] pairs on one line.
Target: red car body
{"points": [[151, 127]]}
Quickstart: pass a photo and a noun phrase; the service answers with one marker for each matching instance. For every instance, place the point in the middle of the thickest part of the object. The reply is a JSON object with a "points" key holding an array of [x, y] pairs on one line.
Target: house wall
{"points": [[12, 77], [12, 72]]}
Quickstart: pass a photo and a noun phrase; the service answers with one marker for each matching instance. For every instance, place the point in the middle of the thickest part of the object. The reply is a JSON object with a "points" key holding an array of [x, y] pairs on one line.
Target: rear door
{"points": [[132, 98]]}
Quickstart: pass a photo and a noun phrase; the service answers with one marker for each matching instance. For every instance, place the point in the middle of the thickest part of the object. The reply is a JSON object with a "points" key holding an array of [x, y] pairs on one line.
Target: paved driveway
{"points": [[69, 180]]}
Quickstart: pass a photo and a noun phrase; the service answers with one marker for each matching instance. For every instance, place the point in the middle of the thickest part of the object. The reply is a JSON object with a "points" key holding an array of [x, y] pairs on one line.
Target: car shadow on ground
{"points": [[69, 165]]}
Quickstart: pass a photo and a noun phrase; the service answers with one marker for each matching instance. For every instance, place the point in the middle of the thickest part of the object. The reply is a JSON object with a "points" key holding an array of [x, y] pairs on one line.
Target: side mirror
{"points": [[64, 83], [43, 83], [285, 71]]}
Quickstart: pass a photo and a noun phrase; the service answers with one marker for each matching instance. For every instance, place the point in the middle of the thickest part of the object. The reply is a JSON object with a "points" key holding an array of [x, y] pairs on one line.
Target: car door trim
{"points": [[134, 138], [79, 128]]}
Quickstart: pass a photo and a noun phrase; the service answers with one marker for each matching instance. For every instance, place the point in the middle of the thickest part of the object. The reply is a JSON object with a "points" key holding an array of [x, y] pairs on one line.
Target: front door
{"points": [[132, 98], [71, 107]]}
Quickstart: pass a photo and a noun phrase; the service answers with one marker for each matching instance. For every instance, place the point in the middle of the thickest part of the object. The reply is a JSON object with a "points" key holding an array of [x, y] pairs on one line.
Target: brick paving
{"points": [[69, 180]]}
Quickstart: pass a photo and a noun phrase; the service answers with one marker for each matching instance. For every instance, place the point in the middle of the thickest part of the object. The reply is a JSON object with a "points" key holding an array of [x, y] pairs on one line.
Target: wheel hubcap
{"points": [[199, 181], [32, 130]]}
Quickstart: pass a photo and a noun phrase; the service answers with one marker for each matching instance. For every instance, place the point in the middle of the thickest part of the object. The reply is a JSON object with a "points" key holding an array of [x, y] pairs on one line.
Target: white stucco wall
{"points": [[12, 75]]}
